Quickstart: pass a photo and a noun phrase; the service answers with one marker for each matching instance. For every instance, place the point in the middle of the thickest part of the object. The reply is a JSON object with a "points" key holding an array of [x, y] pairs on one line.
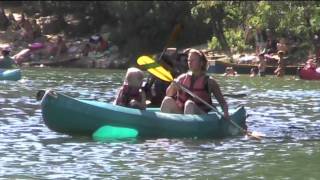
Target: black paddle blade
{"points": [[40, 94]]}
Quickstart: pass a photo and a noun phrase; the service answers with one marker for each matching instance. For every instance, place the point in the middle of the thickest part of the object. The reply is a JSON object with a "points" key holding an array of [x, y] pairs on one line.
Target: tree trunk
{"points": [[218, 29], [4, 21], [221, 37], [311, 34], [43, 8]]}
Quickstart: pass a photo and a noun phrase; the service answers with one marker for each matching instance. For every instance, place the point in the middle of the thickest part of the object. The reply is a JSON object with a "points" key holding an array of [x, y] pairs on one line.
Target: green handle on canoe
{"points": [[113, 132]]}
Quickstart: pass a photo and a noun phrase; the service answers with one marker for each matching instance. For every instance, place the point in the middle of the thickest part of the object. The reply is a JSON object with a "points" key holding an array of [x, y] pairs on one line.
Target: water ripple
{"points": [[286, 110]]}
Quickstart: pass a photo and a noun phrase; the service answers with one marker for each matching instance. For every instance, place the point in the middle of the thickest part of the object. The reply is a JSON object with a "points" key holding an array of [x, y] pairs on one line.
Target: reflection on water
{"points": [[286, 110]]}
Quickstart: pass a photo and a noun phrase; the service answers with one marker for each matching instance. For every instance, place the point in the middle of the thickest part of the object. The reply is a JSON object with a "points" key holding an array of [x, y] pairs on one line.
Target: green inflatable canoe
{"points": [[72, 116], [10, 74]]}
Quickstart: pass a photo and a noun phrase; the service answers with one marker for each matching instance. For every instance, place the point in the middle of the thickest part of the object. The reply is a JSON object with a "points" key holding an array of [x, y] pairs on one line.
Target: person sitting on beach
{"points": [[22, 56], [86, 50], [261, 65], [98, 44], [6, 62], [103, 45], [311, 64], [280, 71], [196, 80], [230, 72], [131, 94], [56, 49]]}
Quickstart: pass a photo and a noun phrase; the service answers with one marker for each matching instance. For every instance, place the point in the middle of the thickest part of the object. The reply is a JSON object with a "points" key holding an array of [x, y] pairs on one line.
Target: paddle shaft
{"points": [[172, 38], [197, 97], [207, 104]]}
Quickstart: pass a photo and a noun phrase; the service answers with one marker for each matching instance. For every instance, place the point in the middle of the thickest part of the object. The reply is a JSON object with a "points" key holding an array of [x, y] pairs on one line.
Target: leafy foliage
{"points": [[144, 26]]}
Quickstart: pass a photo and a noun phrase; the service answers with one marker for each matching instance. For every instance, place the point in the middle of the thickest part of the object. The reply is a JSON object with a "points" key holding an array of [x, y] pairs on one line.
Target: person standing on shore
{"points": [[261, 65], [280, 71]]}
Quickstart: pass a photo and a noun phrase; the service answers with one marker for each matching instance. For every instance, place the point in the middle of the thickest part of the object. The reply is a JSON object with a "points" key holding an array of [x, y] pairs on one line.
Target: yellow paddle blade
{"points": [[255, 135], [154, 68]]}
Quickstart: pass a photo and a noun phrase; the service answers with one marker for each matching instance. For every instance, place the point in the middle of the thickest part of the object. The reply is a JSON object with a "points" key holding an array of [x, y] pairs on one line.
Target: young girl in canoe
{"points": [[196, 80], [131, 93]]}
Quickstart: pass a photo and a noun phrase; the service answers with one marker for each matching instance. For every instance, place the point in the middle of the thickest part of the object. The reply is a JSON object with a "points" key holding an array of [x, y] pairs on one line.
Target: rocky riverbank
{"points": [[13, 38], [111, 58]]}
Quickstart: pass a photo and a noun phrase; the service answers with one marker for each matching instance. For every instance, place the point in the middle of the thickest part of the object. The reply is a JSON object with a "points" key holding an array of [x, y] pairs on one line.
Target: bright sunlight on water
{"points": [[286, 110]]}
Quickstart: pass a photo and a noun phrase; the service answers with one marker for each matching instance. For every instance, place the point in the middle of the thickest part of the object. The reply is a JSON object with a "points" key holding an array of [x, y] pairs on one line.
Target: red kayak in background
{"points": [[310, 73]]}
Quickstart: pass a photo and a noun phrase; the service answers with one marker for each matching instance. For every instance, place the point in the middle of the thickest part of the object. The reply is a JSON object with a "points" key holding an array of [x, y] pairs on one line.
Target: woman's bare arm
{"points": [[215, 89]]}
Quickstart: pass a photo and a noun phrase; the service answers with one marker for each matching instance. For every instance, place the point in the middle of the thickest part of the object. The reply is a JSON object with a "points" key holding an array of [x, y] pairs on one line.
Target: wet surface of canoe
{"points": [[73, 116], [10, 74], [310, 74]]}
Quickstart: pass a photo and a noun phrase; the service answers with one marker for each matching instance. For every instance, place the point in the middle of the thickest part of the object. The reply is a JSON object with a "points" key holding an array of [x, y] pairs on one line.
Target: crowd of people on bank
{"points": [[272, 51], [261, 65], [23, 31], [27, 33], [267, 46]]}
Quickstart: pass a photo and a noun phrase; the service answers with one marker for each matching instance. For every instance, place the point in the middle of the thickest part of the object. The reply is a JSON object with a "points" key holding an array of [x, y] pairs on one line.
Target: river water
{"points": [[286, 110]]}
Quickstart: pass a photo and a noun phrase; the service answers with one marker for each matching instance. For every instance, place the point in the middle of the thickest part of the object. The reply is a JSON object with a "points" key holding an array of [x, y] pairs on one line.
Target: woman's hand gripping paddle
{"points": [[158, 71]]}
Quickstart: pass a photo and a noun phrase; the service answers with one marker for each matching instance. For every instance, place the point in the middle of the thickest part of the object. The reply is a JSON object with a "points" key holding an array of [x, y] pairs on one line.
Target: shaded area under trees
{"points": [[143, 27]]}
